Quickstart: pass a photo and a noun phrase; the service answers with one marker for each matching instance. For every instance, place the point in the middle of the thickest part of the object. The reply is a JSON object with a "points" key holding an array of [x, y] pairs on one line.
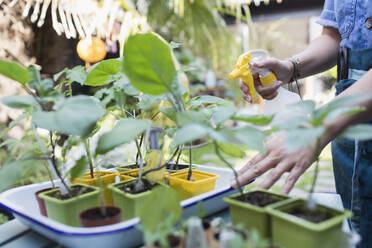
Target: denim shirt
{"points": [[349, 17]]}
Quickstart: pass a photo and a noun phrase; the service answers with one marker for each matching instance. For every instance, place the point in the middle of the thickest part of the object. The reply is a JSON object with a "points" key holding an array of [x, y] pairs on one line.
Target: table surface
{"points": [[14, 234]]}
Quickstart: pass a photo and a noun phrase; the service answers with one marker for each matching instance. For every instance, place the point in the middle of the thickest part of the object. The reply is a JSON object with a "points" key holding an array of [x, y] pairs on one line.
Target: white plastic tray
{"points": [[21, 201]]}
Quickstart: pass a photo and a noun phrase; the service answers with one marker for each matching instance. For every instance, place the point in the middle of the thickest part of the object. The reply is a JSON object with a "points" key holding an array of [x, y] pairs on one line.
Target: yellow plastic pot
{"points": [[106, 177], [203, 182], [135, 172]]}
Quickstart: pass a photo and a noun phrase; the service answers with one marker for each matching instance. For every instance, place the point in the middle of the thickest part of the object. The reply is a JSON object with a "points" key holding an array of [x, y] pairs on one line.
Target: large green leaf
{"points": [[102, 74], [76, 115], [251, 137], [77, 74], [333, 115], [19, 102], [189, 133], [359, 132], [13, 171], [346, 101], [190, 116], [303, 137], [206, 99], [260, 120], [222, 114], [232, 149], [125, 130], [79, 168], [159, 213], [149, 64], [169, 112], [14, 71]]}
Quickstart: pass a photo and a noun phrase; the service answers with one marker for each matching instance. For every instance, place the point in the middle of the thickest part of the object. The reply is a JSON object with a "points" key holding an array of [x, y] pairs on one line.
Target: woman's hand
{"points": [[280, 161], [283, 69]]}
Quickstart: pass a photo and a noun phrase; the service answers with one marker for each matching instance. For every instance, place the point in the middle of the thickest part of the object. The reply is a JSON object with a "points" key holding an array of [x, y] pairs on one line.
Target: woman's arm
{"points": [[280, 161], [320, 55]]}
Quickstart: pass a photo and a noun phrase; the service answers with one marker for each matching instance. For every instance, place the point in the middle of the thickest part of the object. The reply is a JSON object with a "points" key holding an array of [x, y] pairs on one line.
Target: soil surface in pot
{"points": [[175, 167], [74, 191], [131, 187], [97, 214], [260, 199], [314, 216], [173, 241], [132, 166]]}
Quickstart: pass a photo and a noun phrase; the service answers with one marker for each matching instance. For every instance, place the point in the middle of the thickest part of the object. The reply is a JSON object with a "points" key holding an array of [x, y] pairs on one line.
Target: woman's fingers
{"points": [[245, 94], [275, 174], [268, 90], [256, 170], [292, 178], [250, 163]]}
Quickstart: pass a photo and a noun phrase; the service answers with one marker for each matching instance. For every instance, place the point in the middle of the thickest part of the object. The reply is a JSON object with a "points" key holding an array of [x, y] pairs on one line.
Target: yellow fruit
{"points": [[91, 50]]}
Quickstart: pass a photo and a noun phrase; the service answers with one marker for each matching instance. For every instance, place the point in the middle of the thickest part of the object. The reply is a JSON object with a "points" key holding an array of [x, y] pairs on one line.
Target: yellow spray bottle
{"points": [[244, 69]]}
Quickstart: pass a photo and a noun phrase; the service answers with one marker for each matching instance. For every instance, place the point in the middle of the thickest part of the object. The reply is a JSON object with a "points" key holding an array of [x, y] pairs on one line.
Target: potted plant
{"points": [[305, 219], [63, 115]]}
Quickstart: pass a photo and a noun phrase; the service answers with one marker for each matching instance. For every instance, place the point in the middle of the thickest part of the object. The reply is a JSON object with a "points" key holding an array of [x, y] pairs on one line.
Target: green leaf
{"points": [[59, 74], [147, 101], [165, 207], [232, 150], [251, 137], [149, 64], [260, 120], [79, 168], [12, 172], [76, 115], [14, 122], [169, 112], [206, 99], [124, 84], [19, 102], [223, 114], [333, 115], [303, 137], [15, 71], [190, 116], [305, 107], [125, 130], [345, 101], [189, 133], [103, 72], [359, 132], [77, 74]]}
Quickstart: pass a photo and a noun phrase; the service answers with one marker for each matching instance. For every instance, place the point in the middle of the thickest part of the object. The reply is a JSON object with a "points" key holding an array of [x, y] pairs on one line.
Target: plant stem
{"points": [[49, 175], [138, 151], [229, 165], [316, 172], [141, 162], [178, 158], [90, 159], [51, 163], [101, 197], [189, 175]]}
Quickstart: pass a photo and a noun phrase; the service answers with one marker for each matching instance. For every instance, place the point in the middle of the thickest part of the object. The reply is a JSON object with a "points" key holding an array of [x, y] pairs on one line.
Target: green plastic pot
{"points": [[292, 232], [67, 211], [252, 216], [129, 203]]}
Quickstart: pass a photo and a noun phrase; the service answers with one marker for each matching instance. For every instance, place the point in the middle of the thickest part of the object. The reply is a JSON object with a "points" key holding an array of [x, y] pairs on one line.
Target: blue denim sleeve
{"points": [[328, 16]]}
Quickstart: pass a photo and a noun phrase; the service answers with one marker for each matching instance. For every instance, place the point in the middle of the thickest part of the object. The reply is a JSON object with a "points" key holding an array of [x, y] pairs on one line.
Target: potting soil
{"points": [[257, 198], [74, 191]]}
